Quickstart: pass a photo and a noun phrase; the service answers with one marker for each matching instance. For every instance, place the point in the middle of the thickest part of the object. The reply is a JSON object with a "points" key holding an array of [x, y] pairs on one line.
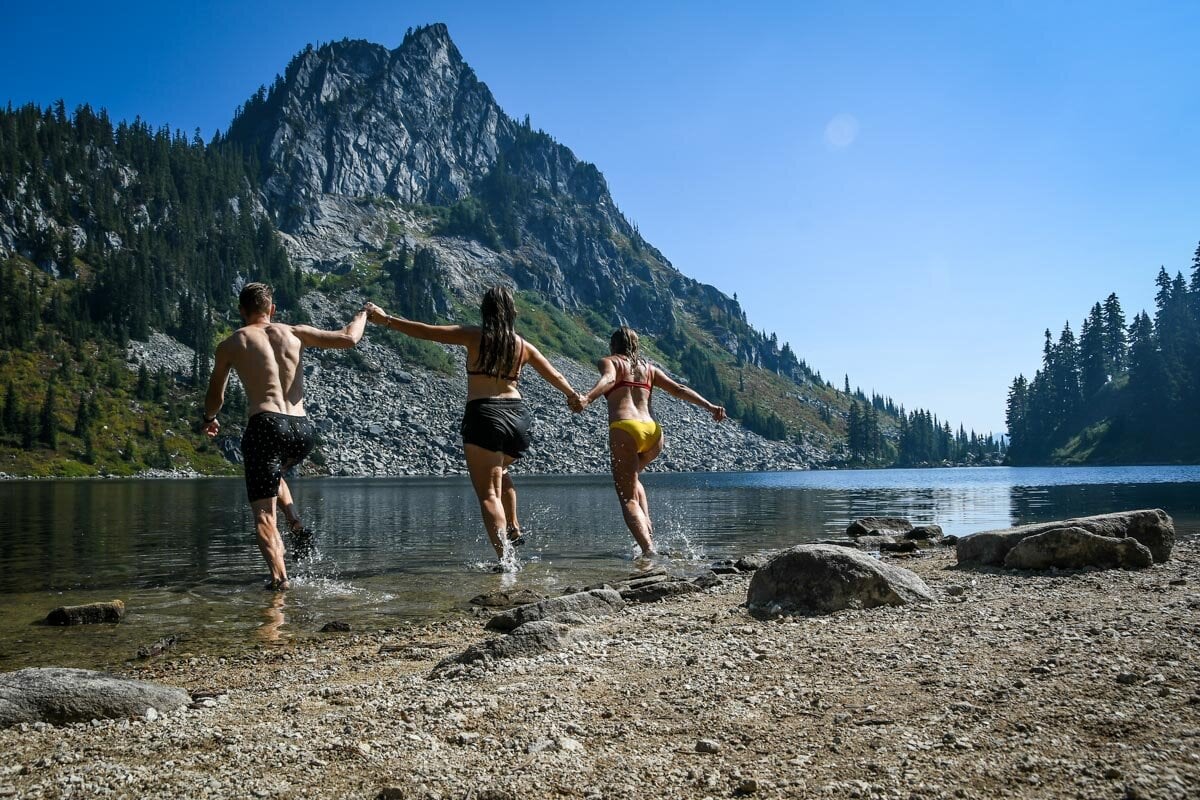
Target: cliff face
{"points": [[353, 140]]}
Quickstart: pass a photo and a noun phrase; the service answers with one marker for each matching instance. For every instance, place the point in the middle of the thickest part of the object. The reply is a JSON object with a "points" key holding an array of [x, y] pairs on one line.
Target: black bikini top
{"points": [[513, 378]]}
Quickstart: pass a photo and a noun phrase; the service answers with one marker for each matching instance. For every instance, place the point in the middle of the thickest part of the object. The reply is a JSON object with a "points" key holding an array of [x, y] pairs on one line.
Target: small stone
{"points": [[336, 626], [1127, 678], [708, 746], [1112, 773], [151, 714], [956, 590], [748, 786]]}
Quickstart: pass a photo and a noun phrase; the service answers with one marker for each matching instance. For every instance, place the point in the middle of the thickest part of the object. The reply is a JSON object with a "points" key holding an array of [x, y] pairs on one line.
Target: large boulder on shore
{"points": [[531, 639], [879, 526], [59, 696], [821, 579], [1075, 548], [581, 605], [1152, 527]]}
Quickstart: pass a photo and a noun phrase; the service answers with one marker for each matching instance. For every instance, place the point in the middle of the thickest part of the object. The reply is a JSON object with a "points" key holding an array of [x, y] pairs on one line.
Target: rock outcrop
{"points": [[1076, 548], [60, 696], [821, 579], [1151, 527]]}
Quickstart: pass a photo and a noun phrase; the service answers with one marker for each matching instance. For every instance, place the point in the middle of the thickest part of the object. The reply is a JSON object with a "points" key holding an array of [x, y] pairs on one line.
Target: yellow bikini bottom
{"points": [[645, 434]]}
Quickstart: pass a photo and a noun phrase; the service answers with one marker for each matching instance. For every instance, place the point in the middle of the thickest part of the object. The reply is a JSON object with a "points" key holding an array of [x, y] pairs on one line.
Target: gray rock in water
{"points": [[531, 639], [931, 532], [821, 579], [507, 598], [1076, 548], [588, 605], [1152, 527], [750, 563], [60, 696], [879, 526], [90, 614]]}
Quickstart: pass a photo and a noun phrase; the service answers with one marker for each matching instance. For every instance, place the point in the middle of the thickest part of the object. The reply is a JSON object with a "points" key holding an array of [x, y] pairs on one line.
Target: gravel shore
{"points": [[1079, 685]]}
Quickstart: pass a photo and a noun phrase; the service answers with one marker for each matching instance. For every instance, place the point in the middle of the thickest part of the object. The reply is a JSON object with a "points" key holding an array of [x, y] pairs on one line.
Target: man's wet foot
{"points": [[515, 537], [273, 585]]}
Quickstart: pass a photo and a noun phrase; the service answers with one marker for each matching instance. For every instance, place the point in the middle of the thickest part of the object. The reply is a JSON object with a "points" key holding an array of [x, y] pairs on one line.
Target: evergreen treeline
{"points": [[149, 229], [1118, 392], [920, 439], [118, 230]]}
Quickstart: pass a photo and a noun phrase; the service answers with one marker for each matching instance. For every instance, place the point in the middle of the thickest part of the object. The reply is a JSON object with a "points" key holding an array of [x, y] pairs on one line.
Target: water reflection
{"points": [[182, 555]]}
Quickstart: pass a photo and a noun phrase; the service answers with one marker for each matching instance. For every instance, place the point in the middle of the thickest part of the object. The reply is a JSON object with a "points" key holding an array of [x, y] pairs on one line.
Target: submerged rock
{"points": [[506, 598], [1152, 527], [879, 526], [1075, 548], [821, 579], [90, 614], [60, 696]]}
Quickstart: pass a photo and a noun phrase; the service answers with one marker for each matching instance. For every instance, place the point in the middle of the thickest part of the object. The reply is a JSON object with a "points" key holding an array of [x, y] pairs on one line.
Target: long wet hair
{"points": [[498, 340], [624, 342]]}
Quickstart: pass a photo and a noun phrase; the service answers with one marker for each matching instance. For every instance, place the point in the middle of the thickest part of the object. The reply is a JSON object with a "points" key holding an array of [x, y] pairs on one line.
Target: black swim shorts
{"points": [[499, 424], [272, 444]]}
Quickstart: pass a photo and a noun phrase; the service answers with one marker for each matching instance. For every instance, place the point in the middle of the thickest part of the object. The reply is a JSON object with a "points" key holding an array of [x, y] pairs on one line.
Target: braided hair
{"points": [[624, 342], [498, 339]]}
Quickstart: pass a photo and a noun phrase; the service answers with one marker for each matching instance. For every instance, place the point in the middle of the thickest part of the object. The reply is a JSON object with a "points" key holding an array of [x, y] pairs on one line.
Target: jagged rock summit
{"points": [[353, 136]]}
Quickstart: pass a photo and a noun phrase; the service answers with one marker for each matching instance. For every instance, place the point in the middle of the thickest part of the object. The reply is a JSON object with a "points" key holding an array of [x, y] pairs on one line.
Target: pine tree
{"points": [[48, 430], [12, 412], [142, 392], [82, 421], [89, 447], [1116, 344], [1093, 366], [29, 429]]}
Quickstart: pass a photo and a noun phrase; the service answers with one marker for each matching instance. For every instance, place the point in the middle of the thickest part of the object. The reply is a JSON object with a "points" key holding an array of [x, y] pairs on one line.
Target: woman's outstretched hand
{"points": [[576, 402], [718, 413], [374, 313]]}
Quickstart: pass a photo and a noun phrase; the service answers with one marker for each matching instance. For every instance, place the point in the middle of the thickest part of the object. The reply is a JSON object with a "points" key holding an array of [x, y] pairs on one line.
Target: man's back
{"points": [[266, 357]]}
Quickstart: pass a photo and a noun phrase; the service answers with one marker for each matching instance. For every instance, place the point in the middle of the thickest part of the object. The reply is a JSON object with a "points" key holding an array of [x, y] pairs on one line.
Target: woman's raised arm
{"points": [[661, 379], [446, 334]]}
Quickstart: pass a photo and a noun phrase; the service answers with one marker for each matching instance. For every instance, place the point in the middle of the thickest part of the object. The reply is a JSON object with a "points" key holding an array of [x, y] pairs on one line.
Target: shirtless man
{"points": [[278, 435]]}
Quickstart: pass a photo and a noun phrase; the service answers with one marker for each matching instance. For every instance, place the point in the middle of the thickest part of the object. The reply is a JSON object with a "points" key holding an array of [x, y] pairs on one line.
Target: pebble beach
{"points": [[1077, 684]]}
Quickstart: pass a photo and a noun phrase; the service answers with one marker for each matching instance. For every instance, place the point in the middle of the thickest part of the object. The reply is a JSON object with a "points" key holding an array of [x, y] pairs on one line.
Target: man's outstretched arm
{"points": [[342, 339], [215, 398]]}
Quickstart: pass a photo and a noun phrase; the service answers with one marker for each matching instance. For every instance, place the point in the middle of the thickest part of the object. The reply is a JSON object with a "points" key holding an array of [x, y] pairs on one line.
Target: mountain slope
{"points": [[389, 175]]}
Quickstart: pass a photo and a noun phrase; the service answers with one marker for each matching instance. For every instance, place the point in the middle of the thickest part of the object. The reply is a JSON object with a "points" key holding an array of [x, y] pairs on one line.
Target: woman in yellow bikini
{"points": [[626, 381]]}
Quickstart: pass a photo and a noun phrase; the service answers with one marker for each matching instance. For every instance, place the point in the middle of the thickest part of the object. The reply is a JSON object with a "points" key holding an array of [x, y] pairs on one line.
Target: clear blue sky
{"points": [[909, 193]]}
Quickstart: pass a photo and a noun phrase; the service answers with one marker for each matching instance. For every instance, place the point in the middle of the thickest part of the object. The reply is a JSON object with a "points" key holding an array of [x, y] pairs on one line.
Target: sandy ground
{"points": [[1010, 685]]}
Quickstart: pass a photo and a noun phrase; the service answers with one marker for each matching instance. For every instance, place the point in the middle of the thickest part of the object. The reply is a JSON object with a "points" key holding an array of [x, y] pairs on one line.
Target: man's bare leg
{"points": [[288, 507], [270, 543]]}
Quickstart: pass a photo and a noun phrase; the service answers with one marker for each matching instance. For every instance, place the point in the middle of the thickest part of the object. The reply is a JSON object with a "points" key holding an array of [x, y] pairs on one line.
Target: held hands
{"points": [[374, 313], [718, 413], [577, 402], [211, 428]]}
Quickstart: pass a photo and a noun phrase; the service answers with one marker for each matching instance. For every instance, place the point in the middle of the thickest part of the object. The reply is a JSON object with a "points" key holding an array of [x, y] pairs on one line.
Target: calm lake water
{"points": [[181, 554]]}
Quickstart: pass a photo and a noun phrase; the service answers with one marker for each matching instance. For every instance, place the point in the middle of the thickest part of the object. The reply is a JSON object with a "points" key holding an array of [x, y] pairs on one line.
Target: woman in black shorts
{"points": [[496, 424]]}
